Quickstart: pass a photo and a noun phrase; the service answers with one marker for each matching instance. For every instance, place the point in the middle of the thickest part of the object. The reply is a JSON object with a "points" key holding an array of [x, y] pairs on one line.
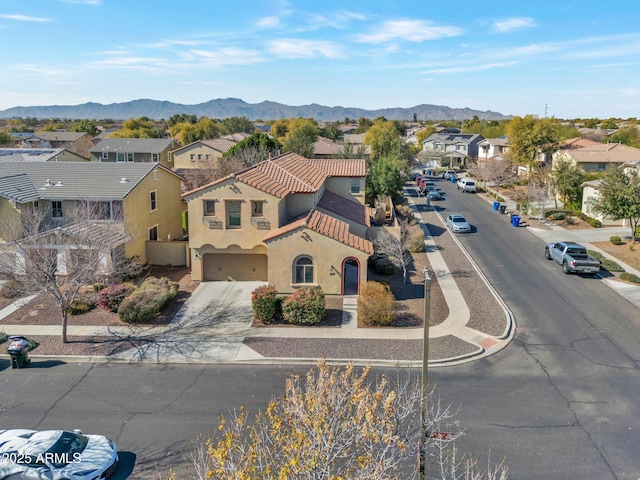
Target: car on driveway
{"points": [[448, 174], [56, 455], [458, 224]]}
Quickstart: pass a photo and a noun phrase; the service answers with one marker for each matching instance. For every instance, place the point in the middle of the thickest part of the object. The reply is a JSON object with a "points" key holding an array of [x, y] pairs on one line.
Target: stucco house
{"points": [[201, 154], [135, 150], [143, 200], [453, 149], [599, 157], [76, 142], [288, 221], [492, 149]]}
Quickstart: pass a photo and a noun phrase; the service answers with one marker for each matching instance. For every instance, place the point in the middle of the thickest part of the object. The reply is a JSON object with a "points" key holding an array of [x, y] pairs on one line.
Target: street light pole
{"points": [[425, 370]]}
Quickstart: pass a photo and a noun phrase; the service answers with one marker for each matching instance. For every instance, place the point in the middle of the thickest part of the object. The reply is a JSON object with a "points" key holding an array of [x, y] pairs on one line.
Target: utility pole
{"points": [[425, 370]]}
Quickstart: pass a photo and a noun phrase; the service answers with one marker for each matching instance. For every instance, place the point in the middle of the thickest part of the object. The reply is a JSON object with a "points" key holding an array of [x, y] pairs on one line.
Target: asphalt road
{"points": [[563, 400]]}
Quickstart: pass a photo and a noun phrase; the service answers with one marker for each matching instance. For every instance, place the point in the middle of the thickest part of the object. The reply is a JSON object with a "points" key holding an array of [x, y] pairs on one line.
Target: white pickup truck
{"points": [[572, 256]]}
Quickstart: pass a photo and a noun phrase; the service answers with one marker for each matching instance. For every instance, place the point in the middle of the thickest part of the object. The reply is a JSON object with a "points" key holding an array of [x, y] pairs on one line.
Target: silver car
{"points": [[458, 224]]}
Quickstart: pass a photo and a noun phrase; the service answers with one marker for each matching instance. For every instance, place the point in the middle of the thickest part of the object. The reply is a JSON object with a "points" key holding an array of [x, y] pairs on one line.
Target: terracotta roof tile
{"points": [[341, 167], [220, 144], [605, 153], [345, 208]]}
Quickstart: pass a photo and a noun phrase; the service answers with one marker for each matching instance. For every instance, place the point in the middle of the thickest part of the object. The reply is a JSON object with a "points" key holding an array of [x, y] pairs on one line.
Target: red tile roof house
{"points": [[288, 221]]}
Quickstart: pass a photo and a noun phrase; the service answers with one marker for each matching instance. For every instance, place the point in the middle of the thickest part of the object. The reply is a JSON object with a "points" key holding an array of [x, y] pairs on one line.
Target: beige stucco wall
{"points": [[9, 220], [209, 157], [139, 218], [342, 186], [589, 194], [299, 203], [327, 254]]}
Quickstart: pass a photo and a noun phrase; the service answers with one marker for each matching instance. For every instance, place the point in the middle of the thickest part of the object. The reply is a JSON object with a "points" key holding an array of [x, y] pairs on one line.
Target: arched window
{"points": [[304, 270]]}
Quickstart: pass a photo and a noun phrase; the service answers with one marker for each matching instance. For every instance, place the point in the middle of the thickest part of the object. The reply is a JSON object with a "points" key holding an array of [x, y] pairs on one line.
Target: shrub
{"points": [[405, 211], [594, 222], [11, 289], [550, 213], [417, 243], [142, 304], [382, 265], [81, 305], [3, 337], [111, 296], [375, 304], [264, 303], [610, 265], [616, 240], [305, 306], [499, 199], [570, 220], [630, 277], [557, 216], [596, 255], [98, 286]]}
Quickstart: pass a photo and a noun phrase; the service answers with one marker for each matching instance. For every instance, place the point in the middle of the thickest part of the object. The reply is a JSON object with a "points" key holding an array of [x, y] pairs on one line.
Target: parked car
{"points": [[458, 224], [56, 455], [448, 174], [434, 195], [572, 256], [469, 186]]}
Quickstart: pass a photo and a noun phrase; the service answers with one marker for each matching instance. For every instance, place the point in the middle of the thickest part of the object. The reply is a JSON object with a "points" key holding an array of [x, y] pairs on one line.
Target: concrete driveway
{"points": [[210, 326]]}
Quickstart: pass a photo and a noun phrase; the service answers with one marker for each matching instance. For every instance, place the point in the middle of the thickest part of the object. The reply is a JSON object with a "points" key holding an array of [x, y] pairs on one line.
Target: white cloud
{"points": [[340, 19], [294, 48], [515, 23], [226, 56], [25, 18], [269, 22], [467, 68], [409, 30]]}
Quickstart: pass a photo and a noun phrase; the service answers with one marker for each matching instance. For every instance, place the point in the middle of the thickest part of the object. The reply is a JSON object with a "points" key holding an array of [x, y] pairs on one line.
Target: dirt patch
{"points": [[623, 253], [83, 346]]}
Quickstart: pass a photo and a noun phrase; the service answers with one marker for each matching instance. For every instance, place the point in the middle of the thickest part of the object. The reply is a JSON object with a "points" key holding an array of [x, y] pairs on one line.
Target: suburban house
{"points": [[135, 150], [453, 149], [327, 148], [142, 201], [599, 157], [75, 142], [288, 221], [39, 155], [201, 154], [492, 149]]}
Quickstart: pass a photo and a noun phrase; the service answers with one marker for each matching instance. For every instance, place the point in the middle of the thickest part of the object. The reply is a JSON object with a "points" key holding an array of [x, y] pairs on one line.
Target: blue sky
{"points": [[570, 59]]}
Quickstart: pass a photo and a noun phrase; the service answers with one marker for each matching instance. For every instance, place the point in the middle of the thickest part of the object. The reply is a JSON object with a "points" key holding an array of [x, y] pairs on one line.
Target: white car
{"points": [[458, 224], [56, 455]]}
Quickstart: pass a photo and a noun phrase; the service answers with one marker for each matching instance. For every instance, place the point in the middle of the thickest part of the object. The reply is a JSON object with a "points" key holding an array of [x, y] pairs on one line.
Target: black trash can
{"points": [[503, 209], [19, 351]]}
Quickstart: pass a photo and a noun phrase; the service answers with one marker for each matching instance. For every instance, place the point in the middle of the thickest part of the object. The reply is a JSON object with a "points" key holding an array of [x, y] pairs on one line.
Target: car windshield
{"points": [[459, 220], [69, 445]]}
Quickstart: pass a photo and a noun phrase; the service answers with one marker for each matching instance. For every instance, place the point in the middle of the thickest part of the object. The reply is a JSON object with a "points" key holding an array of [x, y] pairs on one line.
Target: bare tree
{"points": [[494, 171], [59, 259], [396, 247], [336, 422]]}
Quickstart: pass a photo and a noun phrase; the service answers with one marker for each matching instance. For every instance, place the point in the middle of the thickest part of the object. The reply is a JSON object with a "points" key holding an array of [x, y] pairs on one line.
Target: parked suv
{"points": [[448, 174], [466, 185]]}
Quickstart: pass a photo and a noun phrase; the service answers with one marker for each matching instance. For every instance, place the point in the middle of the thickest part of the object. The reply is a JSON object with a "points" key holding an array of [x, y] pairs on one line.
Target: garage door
{"points": [[235, 266]]}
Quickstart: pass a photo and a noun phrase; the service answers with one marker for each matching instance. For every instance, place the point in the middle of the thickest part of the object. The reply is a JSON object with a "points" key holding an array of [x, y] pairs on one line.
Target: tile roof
{"points": [[578, 142], [340, 167], [345, 208], [60, 136], [220, 144], [132, 145], [328, 226], [605, 153], [236, 137], [18, 188], [29, 154], [325, 146], [81, 181]]}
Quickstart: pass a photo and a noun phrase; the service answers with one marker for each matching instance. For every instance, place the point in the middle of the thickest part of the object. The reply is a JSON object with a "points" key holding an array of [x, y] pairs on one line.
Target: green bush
{"points": [[630, 277], [594, 222], [610, 265], [305, 306], [550, 213], [3, 337], [11, 289], [142, 304], [81, 305], [557, 216], [264, 303], [417, 243], [382, 265], [98, 286], [616, 240], [375, 304], [596, 255]]}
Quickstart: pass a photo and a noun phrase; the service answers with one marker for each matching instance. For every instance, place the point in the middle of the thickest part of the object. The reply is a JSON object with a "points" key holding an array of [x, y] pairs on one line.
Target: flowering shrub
{"points": [[143, 304], [111, 296], [375, 304], [305, 306], [264, 303]]}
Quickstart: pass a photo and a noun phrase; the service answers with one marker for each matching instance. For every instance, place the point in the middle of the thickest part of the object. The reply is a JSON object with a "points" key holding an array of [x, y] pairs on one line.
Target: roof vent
{"points": [[124, 180], [58, 184], [48, 183]]}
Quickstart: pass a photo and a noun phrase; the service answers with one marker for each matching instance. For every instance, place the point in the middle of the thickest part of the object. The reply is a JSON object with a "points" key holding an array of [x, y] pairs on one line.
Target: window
{"points": [[153, 200], [234, 208], [130, 157], [355, 185], [120, 157], [104, 156], [153, 233], [304, 270], [56, 209], [155, 157], [256, 208], [192, 157], [209, 208]]}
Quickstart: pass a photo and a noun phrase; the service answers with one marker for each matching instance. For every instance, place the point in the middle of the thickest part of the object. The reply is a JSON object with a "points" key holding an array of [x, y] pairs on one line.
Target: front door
{"points": [[350, 277]]}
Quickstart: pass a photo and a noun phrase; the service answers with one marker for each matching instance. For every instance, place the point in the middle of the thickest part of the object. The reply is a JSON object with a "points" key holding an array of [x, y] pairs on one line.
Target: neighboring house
{"points": [[236, 137], [356, 140], [492, 148], [39, 155], [599, 157], [289, 221], [75, 142], [143, 199], [201, 154], [135, 150], [453, 149]]}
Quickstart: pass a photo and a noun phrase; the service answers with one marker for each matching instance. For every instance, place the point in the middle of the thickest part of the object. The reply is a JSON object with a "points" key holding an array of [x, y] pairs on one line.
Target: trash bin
{"points": [[429, 172], [452, 179], [19, 351], [424, 172], [515, 220], [496, 205], [503, 209]]}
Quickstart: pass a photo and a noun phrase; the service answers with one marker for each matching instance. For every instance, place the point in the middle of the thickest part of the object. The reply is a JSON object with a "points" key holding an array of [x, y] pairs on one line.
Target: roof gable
{"points": [[18, 188]]}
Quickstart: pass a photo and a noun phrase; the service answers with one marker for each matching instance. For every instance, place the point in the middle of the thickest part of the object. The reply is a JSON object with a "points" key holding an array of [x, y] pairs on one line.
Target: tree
{"points": [[84, 126], [384, 138], [619, 196], [385, 178], [529, 137], [629, 136], [495, 171], [301, 133], [237, 125], [142, 127], [396, 247], [189, 132], [332, 131], [364, 124], [256, 142], [337, 423], [5, 138], [566, 179], [59, 260]]}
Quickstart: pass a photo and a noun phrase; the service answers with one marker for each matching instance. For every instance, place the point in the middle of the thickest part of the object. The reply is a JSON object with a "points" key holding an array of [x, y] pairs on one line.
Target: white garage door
{"points": [[235, 266]]}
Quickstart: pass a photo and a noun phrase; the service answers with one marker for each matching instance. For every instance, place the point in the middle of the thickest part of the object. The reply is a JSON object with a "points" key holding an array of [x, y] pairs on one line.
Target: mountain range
{"points": [[234, 107]]}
